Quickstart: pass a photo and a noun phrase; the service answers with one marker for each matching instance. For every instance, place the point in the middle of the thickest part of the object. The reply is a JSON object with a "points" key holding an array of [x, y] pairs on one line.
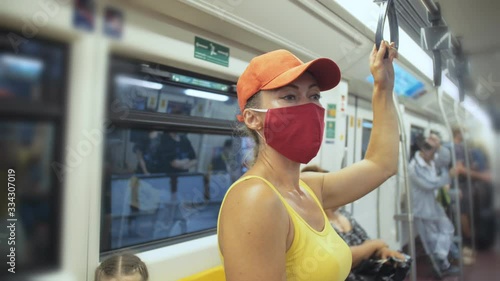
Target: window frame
{"points": [[145, 120]]}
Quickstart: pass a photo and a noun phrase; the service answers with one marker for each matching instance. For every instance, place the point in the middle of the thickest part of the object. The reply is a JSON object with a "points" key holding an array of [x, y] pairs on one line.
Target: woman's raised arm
{"points": [[381, 160]]}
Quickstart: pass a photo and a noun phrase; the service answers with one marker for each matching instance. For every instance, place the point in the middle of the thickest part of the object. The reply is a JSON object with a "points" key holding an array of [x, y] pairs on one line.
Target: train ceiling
{"points": [[311, 29], [477, 25], [474, 24]]}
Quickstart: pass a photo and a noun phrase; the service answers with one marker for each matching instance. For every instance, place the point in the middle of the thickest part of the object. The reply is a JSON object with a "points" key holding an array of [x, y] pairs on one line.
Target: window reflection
{"points": [[33, 73], [149, 95], [27, 148], [20, 76], [165, 184]]}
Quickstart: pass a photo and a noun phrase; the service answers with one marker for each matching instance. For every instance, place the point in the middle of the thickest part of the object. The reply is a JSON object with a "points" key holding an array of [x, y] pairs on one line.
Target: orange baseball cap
{"points": [[279, 68]]}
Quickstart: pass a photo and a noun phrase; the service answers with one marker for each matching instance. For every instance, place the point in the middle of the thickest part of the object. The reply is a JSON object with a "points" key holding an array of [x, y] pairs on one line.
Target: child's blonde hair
{"points": [[121, 265]]}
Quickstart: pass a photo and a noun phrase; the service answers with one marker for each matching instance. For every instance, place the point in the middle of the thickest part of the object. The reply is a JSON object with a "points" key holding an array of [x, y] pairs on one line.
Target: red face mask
{"points": [[295, 131]]}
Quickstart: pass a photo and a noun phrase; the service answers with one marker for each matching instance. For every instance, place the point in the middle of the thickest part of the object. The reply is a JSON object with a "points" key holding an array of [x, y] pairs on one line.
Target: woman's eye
{"points": [[316, 97], [288, 97]]}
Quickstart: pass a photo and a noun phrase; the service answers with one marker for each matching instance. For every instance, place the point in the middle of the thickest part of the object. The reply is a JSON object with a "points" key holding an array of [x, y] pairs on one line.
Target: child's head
{"points": [[124, 267]]}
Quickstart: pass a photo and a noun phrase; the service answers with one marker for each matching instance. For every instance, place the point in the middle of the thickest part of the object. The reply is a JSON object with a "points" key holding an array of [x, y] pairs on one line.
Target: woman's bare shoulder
{"points": [[252, 194]]}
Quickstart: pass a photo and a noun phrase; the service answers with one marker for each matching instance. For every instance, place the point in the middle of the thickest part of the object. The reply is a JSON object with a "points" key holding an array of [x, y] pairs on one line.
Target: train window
{"points": [[31, 71], [170, 155], [166, 184], [166, 91], [28, 152], [365, 138]]}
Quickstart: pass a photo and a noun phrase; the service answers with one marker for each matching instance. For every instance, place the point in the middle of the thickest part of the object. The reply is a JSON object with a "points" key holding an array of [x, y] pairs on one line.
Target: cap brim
{"points": [[325, 71]]}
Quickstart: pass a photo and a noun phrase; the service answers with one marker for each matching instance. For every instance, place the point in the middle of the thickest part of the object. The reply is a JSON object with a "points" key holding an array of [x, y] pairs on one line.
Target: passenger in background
{"points": [[482, 197], [442, 157], [433, 225], [362, 247], [273, 204], [227, 161], [149, 155], [466, 196], [479, 169], [221, 161], [179, 153], [135, 206], [125, 267], [442, 160]]}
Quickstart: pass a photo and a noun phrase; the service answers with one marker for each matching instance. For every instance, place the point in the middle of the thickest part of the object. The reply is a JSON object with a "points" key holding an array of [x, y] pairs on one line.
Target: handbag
{"points": [[390, 269]]}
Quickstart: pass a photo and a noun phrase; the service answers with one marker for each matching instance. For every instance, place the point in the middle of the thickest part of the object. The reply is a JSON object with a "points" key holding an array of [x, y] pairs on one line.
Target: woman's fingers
{"points": [[393, 52], [385, 47], [381, 50], [400, 256]]}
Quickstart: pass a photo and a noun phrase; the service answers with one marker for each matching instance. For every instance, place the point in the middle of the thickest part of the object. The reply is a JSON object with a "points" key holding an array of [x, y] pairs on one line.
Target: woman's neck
{"points": [[276, 168]]}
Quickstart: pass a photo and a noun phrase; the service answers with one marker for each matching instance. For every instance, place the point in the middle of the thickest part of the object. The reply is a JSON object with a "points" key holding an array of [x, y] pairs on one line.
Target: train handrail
{"points": [[409, 202], [469, 181], [439, 91], [387, 11]]}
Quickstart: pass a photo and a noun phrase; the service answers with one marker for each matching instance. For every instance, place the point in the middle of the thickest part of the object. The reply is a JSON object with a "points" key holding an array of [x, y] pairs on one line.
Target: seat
{"points": [[212, 274]]}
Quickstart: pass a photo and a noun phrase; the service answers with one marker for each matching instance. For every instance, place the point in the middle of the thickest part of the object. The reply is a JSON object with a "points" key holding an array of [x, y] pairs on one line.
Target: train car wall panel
{"points": [[185, 259], [331, 39], [49, 18], [171, 42], [331, 152]]}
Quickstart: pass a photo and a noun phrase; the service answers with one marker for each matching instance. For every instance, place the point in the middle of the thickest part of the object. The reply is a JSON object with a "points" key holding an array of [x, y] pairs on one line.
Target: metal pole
{"points": [[397, 202], [455, 182], [469, 182], [409, 211], [355, 138]]}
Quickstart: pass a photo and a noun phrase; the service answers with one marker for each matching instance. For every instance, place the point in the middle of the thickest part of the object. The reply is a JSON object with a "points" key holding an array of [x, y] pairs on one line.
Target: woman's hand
{"points": [[385, 253], [382, 69], [460, 168], [377, 244]]}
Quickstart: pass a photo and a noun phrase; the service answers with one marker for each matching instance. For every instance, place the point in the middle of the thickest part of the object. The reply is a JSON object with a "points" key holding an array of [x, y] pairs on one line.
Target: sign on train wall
{"points": [[210, 51]]}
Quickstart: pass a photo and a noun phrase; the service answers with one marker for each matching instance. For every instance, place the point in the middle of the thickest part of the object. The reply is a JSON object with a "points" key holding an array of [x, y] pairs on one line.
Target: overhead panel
{"points": [[412, 16], [293, 25]]}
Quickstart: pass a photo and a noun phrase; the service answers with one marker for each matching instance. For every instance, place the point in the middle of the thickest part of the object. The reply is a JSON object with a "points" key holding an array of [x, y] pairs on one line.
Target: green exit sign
{"points": [[212, 52]]}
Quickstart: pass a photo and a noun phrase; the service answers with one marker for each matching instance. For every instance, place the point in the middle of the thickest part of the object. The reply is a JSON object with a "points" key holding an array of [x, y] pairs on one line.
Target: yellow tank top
{"points": [[314, 255]]}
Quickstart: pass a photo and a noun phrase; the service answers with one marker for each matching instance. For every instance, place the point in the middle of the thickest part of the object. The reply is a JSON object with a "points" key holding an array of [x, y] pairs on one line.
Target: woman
{"points": [[271, 224], [362, 247]]}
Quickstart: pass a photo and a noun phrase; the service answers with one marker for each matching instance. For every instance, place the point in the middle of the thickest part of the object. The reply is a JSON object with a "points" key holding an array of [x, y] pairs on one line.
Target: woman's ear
{"points": [[252, 120]]}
